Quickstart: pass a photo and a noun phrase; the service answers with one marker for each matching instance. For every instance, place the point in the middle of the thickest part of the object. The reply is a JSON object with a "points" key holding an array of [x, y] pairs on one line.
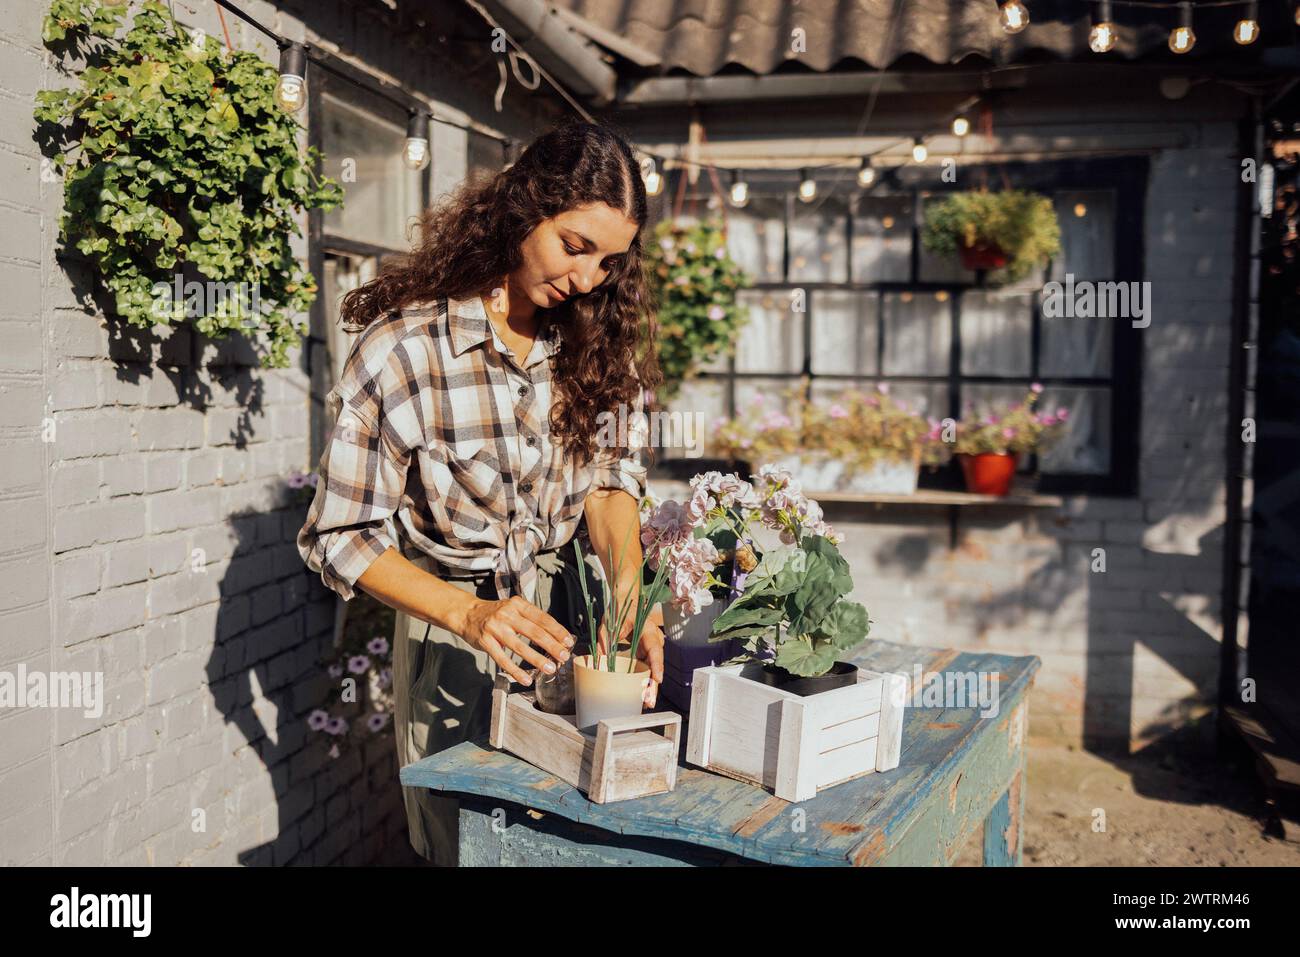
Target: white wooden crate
{"points": [[793, 745]]}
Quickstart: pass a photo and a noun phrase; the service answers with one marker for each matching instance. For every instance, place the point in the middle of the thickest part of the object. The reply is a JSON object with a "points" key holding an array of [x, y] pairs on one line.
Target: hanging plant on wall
{"points": [[182, 178], [695, 282], [1008, 233]]}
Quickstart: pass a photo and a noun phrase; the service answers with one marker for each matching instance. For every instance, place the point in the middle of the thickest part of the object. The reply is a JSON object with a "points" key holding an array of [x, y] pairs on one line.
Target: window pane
{"points": [[772, 340], [928, 398], [882, 239], [996, 332], [844, 332], [917, 334], [981, 399], [818, 244], [1087, 219], [1078, 346], [756, 236], [385, 195], [1085, 446], [701, 402]]}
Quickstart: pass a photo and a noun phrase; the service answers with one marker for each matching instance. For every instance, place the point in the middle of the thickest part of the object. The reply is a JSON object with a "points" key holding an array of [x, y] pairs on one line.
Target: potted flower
{"points": [[695, 283], [610, 683], [790, 436], [880, 442], [792, 614], [988, 446], [1010, 232]]}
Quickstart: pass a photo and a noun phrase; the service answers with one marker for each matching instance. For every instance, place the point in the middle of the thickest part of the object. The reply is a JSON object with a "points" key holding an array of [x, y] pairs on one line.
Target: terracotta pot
{"points": [[602, 694], [989, 473], [982, 255]]}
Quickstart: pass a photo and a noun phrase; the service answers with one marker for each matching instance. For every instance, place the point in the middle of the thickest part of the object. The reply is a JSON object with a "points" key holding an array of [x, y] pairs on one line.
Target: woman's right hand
{"points": [[515, 624]]}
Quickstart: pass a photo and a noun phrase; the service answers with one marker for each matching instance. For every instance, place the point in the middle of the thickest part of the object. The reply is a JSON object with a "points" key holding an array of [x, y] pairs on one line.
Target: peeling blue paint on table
{"points": [[960, 774]]}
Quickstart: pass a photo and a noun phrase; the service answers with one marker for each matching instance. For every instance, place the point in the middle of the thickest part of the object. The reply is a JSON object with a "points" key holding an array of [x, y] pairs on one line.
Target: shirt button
{"points": [[523, 391], [531, 441], [526, 487]]}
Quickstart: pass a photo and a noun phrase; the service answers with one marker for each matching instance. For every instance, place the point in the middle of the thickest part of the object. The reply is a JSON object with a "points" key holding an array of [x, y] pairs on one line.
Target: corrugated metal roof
{"points": [[706, 37]]}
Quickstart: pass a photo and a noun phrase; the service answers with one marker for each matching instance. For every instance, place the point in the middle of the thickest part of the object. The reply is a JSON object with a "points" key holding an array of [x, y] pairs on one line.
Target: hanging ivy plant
{"points": [[176, 162], [696, 283]]}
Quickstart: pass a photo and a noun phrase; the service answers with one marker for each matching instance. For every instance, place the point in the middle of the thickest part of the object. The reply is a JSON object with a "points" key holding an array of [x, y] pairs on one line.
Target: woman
{"points": [[464, 452]]}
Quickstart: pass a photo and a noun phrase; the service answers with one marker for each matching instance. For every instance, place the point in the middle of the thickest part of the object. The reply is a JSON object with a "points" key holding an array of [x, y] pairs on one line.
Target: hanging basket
{"points": [[982, 256]]}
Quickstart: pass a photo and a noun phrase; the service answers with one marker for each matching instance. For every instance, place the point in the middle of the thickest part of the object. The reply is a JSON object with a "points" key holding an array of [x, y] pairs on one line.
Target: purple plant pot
{"points": [[680, 662]]}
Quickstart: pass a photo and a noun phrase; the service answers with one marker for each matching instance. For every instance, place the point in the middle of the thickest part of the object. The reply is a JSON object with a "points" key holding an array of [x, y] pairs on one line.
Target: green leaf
{"points": [[799, 656]]}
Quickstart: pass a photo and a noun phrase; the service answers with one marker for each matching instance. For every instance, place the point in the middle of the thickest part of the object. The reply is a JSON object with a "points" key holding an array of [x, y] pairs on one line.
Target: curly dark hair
{"points": [[471, 240]]}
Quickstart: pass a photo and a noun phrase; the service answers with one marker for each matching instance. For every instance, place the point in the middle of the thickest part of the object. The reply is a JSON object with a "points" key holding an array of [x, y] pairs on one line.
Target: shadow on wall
{"points": [[276, 621]]}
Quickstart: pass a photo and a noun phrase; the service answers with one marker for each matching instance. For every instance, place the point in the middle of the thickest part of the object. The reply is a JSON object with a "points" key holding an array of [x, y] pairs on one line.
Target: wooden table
{"points": [[959, 774]]}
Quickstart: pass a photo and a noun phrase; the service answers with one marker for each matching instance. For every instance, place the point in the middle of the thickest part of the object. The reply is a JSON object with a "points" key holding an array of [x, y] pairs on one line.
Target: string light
{"points": [[920, 152], [291, 89], [416, 154], [807, 187], [960, 126], [1247, 28], [654, 183], [739, 190], [1181, 37], [1013, 15], [866, 173], [1101, 38]]}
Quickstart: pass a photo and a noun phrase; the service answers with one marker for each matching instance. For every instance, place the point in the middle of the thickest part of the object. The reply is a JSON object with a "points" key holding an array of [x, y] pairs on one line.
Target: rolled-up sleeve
{"points": [[359, 488], [619, 465]]}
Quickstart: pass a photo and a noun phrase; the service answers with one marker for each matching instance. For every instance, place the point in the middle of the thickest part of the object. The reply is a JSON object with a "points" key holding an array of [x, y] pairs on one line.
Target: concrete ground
{"points": [[1172, 803]]}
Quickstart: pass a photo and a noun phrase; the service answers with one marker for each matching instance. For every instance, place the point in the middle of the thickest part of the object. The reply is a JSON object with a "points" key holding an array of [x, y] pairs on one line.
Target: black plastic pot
{"points": [[841, 675]]}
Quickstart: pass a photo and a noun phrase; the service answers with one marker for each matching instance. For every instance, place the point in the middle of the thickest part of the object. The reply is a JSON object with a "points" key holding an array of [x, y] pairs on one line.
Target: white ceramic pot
{"points": [[820, 472], [605, 694], [692, 631]]}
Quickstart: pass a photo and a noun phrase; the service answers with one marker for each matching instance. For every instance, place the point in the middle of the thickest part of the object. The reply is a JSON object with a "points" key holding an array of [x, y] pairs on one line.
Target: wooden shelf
{"points": [[675, 488], [928, 496]]}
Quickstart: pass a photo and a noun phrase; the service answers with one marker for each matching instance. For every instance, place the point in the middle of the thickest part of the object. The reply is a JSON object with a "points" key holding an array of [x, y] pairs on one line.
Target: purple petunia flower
{"points": [[296, 480], [377, 721], [358, 664], [336, 726], [377, 645], [318, 719]]}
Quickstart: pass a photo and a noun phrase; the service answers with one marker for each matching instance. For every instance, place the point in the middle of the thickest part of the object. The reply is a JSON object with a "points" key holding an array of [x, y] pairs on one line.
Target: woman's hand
{"points": [[649, 649], [515, 624]]}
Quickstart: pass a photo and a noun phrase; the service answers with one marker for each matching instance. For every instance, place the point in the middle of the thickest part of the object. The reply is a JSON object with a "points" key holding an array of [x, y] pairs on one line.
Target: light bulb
{"points": [[739, 193], [1014, 16], [291, 89], [1101, 38], [1181, 37], [920, 151], [416, 154], [866, 174], [807, 187], [291, 93], [1247, 28], [654, 183], [960, 126]]}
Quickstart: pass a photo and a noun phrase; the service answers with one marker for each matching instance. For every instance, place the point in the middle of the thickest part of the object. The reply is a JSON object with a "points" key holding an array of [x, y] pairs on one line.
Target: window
{"points": [[879, 308]]}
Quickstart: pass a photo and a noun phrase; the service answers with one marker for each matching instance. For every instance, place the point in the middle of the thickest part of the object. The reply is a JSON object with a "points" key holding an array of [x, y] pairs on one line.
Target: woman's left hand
{"points": [[649, 649]]}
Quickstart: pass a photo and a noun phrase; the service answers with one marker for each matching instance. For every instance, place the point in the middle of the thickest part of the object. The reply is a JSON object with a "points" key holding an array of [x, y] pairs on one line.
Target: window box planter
{"points": [[885, 475], [794, 745]]}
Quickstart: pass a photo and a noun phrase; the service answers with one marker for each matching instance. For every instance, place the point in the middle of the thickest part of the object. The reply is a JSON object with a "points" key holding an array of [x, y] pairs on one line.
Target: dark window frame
{"points": [[1127, 177]]}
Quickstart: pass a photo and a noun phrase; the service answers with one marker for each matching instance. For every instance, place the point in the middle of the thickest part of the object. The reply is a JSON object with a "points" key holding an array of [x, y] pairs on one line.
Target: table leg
{"points": [[1004, 827]]}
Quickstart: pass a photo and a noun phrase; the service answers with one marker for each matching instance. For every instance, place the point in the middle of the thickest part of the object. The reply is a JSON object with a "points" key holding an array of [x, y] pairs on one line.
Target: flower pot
{"points": [[605, 694], [894, 476], [989, 473], [687, 647], [841, 675], [820, 471], [982, 255]]}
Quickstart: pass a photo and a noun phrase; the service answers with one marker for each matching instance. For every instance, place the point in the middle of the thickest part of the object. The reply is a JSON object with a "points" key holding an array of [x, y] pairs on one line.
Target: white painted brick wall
{"points": [[152, 541]]}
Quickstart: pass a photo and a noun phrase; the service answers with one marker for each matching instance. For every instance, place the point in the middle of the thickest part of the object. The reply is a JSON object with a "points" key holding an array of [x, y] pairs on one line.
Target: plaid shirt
{"points": [[441, 445]]}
